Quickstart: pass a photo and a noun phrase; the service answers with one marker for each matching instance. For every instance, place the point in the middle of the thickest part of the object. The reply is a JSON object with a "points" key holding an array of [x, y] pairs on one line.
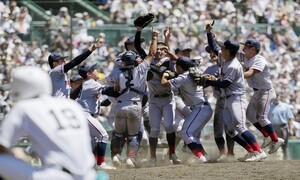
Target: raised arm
{"points": [[211, 39], [137, 42], [153, 47], [79, 59]]}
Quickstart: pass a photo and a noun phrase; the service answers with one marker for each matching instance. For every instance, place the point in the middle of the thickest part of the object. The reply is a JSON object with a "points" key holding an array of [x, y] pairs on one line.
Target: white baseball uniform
{"points": [[58, 131]]}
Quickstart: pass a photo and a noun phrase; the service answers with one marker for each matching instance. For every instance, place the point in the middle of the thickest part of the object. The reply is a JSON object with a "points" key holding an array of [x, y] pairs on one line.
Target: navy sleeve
{"points": [[212, 43], [137, 45], [76, 61], [219, 84]]}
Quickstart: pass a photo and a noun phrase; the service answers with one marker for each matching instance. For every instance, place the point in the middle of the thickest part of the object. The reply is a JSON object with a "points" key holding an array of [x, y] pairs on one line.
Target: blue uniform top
{"points": [[280, 113]]}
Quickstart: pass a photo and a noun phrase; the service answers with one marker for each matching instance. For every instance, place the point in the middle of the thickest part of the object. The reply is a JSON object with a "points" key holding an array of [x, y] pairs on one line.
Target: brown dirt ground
{"points": [[268, 169]]}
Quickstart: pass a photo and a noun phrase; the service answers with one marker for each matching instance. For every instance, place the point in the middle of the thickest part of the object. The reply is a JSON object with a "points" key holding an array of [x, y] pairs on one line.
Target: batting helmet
{"points": [[29, 82]]}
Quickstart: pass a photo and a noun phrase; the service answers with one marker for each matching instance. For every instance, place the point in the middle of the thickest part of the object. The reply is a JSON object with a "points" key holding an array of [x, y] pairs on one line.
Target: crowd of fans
{"points": [[278, 35]]}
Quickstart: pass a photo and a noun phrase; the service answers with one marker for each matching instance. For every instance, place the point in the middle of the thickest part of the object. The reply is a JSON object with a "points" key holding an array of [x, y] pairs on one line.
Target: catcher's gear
{"points": [[144, 20], [171, 74]]}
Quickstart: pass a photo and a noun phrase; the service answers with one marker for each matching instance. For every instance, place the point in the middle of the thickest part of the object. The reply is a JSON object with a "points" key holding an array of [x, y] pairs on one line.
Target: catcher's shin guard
{"points": [[133, 144], [117, 143]]}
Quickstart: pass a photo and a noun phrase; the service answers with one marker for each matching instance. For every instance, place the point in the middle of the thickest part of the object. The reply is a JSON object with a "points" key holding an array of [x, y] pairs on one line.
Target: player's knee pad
{"points": [[117, 143], [170, 129]]}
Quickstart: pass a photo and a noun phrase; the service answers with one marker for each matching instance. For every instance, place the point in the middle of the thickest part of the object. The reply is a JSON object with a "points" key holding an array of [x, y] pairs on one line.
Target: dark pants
{"points": [[283, 132]]}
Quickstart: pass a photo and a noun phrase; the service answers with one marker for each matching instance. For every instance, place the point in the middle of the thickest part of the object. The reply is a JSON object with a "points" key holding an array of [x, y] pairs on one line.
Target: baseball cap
{"points": [[130, 40], [252, 43], [230, 44], [161, 45], [55, 56], [208, 49], [75, 78], [182, 48], [184, 62], [85, 69]]}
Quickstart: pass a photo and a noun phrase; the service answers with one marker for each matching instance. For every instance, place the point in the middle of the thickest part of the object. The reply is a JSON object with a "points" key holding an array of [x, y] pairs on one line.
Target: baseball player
{"points": [[130, 82], [257, 74], [76, 86], [232, 86], [57, 129], [218, 113], [161, 105], [89, 99], [59, 69], [281, 115], [193, 96]]}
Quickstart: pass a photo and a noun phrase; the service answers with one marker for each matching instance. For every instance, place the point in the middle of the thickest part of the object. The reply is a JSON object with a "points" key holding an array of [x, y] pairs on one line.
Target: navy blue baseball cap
{"points": [[230, 44], [130, 40], [185, 63], [55, 56], [208, 49], [85, 69], [75, 78], [183, 48], [252, 43]]}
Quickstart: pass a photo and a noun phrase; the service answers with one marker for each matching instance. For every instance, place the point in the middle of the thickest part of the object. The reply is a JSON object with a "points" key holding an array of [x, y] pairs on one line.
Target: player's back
{"points": [[59, 133]]}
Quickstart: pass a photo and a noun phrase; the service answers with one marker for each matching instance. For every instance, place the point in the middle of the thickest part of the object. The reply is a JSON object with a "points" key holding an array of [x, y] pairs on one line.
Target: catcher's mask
{"points": [[129, 58]]}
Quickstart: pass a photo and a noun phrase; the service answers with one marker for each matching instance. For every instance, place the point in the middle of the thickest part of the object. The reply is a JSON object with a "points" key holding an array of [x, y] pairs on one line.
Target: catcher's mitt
{"points": [[171, 74], [144, 20]]}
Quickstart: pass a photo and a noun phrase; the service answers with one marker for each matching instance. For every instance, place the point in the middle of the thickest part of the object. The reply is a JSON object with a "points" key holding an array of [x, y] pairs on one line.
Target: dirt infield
{"points": [[269, 169]]}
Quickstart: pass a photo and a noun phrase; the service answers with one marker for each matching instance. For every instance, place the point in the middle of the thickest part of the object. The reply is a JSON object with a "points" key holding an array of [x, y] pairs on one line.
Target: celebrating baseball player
{"points": [[89, 99], [61, 86], [257, 74], [57, 129], [193, 96], [218, 124], [130, 83], [232, 86]]}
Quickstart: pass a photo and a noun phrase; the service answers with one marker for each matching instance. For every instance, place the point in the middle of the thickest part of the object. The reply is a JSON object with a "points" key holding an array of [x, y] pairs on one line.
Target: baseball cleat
{"points": [[153, 162], [266, 142], [130, 163], [247, 156], [116, 160], [222, 158], [174, 159], [275, 145], [260, 155], [202, 159], [105, 166]]}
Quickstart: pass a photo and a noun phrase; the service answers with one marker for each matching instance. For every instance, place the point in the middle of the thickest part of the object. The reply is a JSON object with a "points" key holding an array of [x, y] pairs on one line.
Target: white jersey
{"points": [[154, 85], [60, 82], [259, 80], [232, 71], [57, 129], [89, 97], [190, 93], [138, 82]]}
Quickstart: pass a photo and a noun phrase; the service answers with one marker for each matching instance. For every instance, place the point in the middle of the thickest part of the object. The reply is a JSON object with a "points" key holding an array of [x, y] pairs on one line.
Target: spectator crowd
{"points": [[279, 34]]}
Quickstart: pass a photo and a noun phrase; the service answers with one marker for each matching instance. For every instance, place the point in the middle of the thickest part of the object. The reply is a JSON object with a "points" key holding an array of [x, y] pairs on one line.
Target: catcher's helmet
{"points": [[128, 58], [29, 82]]}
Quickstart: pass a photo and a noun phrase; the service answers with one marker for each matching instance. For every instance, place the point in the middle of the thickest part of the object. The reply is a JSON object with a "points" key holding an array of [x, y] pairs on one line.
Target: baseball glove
{"points": [[144, 20], [171, 74], [209, 77]]}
